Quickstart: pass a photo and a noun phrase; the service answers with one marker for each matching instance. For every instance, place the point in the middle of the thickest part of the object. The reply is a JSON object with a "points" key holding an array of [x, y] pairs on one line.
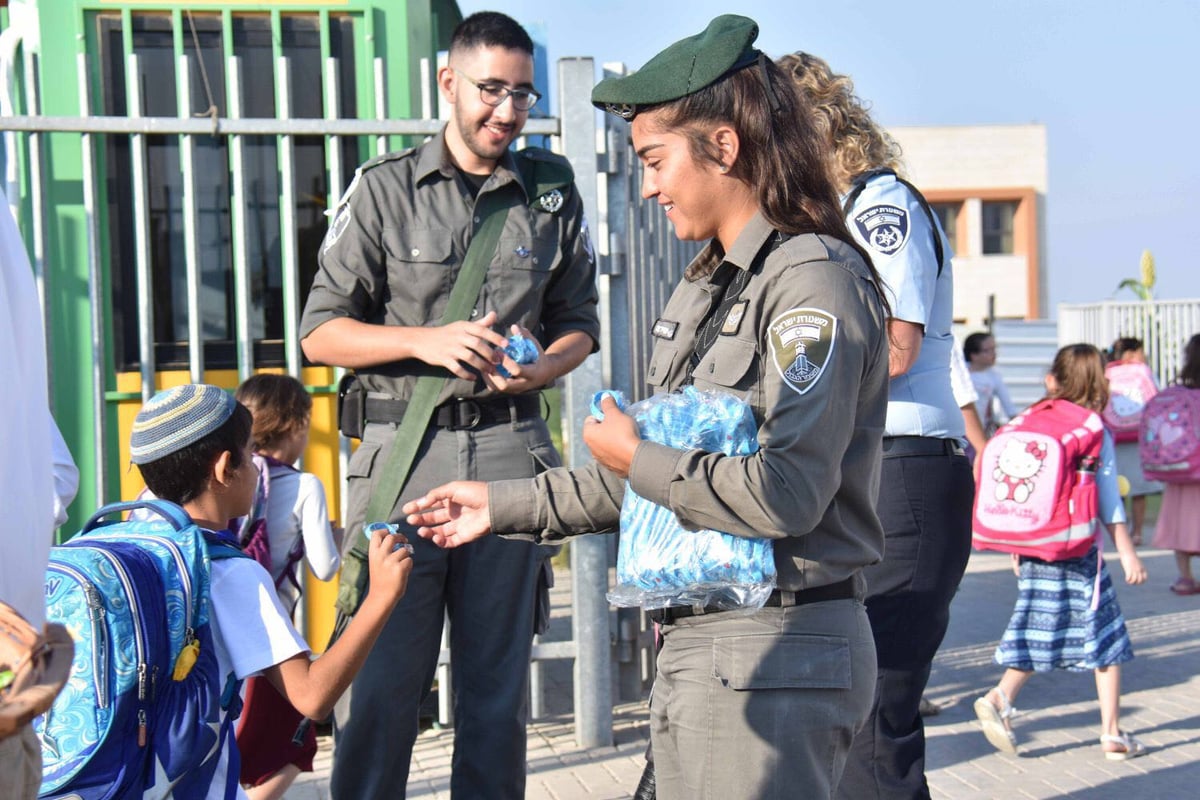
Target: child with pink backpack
{"points": [[1066, 615], [1171, 452], [1131, 386]]}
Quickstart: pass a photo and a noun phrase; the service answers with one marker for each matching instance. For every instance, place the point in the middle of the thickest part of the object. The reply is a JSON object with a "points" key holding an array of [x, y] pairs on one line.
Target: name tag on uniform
{"points": [[664, 329]]}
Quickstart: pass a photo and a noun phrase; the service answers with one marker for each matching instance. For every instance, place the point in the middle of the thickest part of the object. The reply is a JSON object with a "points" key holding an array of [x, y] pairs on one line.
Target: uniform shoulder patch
{"points": [[801, 341], [341, 221], [884, 227]]}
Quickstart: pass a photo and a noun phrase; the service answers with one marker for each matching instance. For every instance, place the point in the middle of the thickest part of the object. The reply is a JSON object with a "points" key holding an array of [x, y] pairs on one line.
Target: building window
{"points": [[153, 39], [998, 217], [947, 215]]}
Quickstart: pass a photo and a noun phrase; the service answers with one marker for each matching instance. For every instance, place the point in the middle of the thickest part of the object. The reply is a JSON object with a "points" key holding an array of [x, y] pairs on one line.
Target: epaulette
{"points": [[393, 156], [547, 177], [374, 162]]}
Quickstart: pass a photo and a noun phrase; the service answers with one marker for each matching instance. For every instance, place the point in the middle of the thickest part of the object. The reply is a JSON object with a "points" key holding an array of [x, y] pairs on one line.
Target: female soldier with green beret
{"points": [[782, 310]]}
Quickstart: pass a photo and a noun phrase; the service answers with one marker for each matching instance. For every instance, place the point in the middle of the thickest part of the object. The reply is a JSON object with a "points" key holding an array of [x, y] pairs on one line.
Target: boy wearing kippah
{"points": [[192, 446]]}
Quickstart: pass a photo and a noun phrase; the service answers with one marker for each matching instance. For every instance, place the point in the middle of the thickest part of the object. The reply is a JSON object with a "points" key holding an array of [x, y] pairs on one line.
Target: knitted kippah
{"points": [[175, 418]]}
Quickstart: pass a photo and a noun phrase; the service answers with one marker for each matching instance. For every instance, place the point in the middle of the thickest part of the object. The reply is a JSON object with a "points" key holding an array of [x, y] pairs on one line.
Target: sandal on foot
{"points": [[1129, 746], [1185, 586], [995, 721]]}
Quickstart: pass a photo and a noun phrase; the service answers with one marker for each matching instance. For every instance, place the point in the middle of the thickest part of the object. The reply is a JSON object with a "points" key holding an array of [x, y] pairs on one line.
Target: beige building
{"points": [[988, 185]]}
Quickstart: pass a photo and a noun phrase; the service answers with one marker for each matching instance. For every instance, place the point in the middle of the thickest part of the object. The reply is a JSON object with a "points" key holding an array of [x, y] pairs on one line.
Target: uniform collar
{"points": [[742, 255], [434, 157]]}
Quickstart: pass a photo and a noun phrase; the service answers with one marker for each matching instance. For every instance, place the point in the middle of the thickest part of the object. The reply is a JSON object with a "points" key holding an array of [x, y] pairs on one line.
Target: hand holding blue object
{"points": [[393, 530], [616, 394], [520, 350]]}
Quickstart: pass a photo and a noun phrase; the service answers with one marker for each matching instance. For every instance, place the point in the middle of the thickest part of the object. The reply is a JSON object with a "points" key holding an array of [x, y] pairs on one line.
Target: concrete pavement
{"points": [[1057, 726]]}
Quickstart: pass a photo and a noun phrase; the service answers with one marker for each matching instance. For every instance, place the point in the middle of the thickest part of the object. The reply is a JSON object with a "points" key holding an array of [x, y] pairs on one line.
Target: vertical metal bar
{"points": [[426, 90], [445, 689], [191, 244], [381, 85], [239, 212], [94, 289], [141, 229], [589, 554], [333, 160], [536, 690], [36, 202], [287, 222]]}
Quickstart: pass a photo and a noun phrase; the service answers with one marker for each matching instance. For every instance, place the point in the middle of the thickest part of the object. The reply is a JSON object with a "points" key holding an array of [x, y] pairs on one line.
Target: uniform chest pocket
{"points": [[418, 245], [526, 260], [727, 363], [417, 263], [662, 359]]}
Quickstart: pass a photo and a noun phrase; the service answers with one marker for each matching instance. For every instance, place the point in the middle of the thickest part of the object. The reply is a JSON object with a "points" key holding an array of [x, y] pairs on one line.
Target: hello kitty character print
{"points": [[1019, 463], [1036, 495]]}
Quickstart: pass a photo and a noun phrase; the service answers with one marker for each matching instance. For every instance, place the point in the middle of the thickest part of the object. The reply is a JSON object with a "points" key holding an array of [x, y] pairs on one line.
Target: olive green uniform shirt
{"points": [[398, 239], [806, 347]]}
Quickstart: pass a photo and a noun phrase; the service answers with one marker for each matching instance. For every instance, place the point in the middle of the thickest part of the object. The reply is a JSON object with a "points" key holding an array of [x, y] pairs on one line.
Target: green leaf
{"points": [[1135, 286]]}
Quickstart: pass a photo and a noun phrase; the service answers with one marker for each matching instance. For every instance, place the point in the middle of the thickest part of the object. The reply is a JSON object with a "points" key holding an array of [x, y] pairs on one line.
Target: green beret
{"points": [[683, 68]]}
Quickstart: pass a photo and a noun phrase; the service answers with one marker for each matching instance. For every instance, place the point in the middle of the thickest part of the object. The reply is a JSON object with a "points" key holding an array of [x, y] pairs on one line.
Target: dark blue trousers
{"points": [[925, 506]]}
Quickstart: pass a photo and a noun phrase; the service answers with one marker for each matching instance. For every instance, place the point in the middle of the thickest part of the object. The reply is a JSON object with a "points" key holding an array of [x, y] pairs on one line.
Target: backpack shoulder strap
{"points": [[221, 545], [860, 182]]}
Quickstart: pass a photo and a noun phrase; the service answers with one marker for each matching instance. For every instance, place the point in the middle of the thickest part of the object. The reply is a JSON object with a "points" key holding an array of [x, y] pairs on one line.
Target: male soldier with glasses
{"points": [[393, 252]]}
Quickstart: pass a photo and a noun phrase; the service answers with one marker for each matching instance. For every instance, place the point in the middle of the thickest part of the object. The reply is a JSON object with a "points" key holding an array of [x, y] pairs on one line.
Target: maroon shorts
{"points": [[265, 731]]}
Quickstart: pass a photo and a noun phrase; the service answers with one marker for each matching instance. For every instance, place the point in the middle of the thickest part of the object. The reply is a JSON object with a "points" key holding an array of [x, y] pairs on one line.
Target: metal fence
{"points": [[639, 261], [1164, 326]]}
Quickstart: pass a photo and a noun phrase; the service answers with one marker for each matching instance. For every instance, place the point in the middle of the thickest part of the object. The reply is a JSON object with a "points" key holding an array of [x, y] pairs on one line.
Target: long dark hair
{"points": [[782, 155], [1189, 376]]}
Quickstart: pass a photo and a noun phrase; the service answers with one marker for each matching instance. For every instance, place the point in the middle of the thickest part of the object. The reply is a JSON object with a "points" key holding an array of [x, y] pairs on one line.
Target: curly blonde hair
{"points": [[858, 144]]}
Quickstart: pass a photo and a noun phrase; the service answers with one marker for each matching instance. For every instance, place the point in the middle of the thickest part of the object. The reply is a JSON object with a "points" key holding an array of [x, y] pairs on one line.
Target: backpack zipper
{"points": [[139, 633], [185, 576], [96, 613]]}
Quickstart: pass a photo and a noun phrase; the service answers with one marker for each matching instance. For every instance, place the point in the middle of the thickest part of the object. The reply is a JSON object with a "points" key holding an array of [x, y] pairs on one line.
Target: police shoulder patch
{"points": [[340, 222], [884, 227], [801, 342]]}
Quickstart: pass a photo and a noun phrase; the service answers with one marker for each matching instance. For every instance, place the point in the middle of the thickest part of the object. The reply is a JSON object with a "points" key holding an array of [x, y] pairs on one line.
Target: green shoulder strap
{"points": [[391, 476]]}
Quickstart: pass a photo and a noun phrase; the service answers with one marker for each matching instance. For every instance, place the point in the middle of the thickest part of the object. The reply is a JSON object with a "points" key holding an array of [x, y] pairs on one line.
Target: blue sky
{"points": [[1117, 85]]}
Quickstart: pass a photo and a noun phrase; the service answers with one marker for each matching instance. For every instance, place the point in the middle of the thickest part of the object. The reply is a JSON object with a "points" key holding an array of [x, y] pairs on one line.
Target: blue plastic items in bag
{"points": [[520, 350], [659, 562]]}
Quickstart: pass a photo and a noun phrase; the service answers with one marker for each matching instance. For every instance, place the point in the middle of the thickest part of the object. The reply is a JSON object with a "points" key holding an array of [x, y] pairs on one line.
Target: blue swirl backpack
{"points": [[145, 713]]}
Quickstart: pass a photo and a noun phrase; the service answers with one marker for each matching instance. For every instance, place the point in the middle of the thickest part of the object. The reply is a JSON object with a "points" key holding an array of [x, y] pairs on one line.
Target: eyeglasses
{"points": [[494, 94]]}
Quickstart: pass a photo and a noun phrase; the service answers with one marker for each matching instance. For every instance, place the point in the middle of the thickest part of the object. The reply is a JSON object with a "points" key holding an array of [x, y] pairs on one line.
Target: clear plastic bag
{"points": [[659, 563]]}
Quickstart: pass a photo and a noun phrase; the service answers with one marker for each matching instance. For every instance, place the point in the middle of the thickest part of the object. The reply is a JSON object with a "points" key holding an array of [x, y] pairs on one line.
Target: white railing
{"points": [[1164, 326]]}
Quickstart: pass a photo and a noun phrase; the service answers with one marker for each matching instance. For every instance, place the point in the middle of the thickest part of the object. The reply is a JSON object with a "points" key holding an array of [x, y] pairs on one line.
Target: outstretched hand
{"points": [[453, 514]]}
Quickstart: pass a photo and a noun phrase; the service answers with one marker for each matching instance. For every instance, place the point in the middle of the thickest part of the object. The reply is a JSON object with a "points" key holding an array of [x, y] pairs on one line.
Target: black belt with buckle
{"points": [[842, 590], [900, 446], [461, 413]]}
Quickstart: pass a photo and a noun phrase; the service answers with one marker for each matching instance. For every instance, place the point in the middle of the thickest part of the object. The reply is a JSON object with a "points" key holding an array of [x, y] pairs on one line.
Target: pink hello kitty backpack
{"points": [[1130, 387], [1037, 490], [1169, 444]]}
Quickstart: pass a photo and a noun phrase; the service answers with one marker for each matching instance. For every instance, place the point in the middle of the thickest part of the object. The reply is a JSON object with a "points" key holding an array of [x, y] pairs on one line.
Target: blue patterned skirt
{"points": [[1053, 625]]}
